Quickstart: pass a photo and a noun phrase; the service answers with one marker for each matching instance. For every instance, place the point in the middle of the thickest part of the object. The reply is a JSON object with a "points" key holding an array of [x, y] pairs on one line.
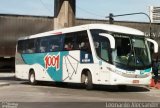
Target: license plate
{"points": [[135, 81]]}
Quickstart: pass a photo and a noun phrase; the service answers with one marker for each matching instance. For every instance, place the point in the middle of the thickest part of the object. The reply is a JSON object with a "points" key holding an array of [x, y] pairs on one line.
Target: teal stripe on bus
{"points": [[51, 61]]}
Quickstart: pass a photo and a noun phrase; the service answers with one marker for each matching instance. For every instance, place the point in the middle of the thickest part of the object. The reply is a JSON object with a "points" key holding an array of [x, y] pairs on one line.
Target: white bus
{"points": [[89, 54]]}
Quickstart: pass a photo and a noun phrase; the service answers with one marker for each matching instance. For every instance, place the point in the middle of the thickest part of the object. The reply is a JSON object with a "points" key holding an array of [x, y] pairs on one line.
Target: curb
{"points": [[154, 84], [4, 84]]}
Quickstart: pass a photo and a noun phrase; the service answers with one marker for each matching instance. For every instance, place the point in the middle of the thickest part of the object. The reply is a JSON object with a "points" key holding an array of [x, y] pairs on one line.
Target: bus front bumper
{"points": [[117, 79]]}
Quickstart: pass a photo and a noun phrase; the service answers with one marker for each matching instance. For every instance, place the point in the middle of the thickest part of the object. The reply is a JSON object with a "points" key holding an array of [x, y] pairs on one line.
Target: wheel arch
{"points": [[86, 79], [93, 73], [85, 72]]}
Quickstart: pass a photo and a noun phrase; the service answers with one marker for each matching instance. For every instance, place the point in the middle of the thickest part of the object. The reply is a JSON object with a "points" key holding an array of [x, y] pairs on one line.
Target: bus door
{"points": [[106, 42], [104, 74], [103, 52]]}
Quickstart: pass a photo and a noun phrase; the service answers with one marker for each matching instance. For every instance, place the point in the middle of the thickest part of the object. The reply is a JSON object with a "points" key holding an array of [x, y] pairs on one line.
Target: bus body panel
{"points": [[67, 68]]}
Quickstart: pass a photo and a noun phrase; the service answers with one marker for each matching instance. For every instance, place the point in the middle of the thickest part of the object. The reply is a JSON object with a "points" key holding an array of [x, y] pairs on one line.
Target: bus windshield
{"points": [[131, 51]]}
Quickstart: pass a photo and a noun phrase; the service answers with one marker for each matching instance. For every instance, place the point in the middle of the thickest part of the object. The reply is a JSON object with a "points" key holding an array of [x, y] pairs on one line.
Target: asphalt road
{"points": [[46, 94]]}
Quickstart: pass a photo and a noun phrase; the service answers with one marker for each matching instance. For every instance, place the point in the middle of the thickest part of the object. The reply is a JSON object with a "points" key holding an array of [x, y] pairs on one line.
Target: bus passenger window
{"points": [[43, 45], [69, 41], [84, 46], [42, 49], [30, 46], [68, 46], [82, 41], [53, 48], [21, 46], [55, 43]]}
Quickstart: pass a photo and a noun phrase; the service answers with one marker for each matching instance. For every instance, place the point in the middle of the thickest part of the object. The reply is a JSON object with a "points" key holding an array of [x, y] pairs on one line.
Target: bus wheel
{"points": [[87, 80], [32, 79]]}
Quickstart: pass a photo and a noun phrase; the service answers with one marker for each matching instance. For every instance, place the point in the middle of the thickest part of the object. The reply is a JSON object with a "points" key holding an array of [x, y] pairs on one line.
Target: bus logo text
{"points": [[52, 61]]}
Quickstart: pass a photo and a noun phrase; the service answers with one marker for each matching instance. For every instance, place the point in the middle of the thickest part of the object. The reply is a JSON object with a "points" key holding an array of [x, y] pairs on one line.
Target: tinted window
{"points": [[21, 46], [69, 41], [77, 41], [49, 44], [102, 45], [82, 41], [30, 46], [55, 43], [43, 45], [26, 46]]}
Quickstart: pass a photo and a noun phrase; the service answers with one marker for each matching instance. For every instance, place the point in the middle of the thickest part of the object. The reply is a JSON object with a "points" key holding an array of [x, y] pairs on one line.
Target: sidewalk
{"points": [[4, 84], [4, 76]]}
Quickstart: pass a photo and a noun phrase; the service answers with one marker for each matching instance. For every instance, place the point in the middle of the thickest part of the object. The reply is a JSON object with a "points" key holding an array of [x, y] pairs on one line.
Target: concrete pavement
{"points": [[48, 95], [5, 75]]}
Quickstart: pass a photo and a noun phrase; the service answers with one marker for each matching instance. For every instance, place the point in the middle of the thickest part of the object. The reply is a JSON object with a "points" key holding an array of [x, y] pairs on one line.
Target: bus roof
{"points": [[108, 27]]}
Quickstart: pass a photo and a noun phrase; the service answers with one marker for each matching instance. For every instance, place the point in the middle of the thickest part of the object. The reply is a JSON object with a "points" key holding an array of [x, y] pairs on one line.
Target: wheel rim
{"points": [[86, 80], [32, 78]]}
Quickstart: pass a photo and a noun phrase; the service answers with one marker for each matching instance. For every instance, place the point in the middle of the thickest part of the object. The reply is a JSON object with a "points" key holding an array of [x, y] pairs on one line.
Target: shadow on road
{"points": [[114, 88], [8, 78], [107, 88]]}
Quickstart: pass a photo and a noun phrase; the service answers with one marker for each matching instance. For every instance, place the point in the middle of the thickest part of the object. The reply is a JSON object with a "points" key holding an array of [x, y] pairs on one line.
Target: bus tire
{"points": [[32, 78], [122, 87], [87, 80]]}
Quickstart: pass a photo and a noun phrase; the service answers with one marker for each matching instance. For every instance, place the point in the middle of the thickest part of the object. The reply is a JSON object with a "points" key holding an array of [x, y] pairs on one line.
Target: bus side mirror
{"points": [[154, 43], [111, 39]]}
